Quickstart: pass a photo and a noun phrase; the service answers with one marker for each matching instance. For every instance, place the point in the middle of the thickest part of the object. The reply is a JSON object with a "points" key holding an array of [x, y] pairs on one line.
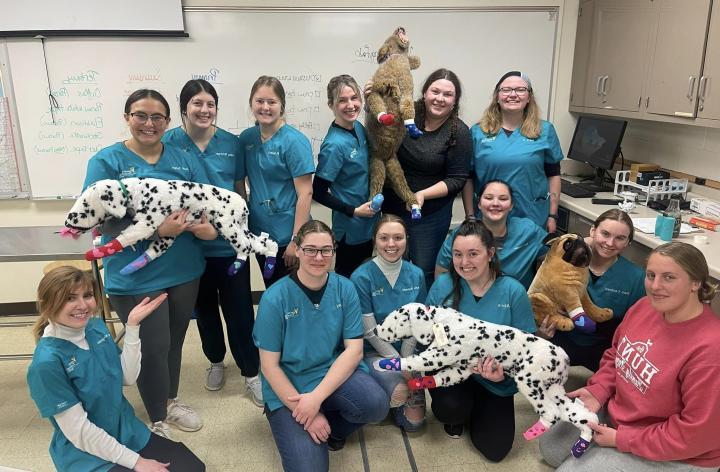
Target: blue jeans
{"points": [[425, 238], [359, 400]]}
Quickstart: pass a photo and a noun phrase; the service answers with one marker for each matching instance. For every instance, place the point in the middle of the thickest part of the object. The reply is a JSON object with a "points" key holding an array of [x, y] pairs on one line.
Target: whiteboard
{"points": [[92, 78]]}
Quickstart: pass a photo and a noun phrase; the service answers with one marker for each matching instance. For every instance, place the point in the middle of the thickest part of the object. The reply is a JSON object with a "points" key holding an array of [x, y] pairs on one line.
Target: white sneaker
{"points": [[162, 429], [215, 378], [182, 416], [254, 386]]}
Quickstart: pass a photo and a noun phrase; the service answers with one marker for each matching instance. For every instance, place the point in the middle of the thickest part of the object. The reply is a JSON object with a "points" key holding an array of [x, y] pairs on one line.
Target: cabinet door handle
{"points": [[702, 87], [604, 85], [691, 87], [597, 86]]}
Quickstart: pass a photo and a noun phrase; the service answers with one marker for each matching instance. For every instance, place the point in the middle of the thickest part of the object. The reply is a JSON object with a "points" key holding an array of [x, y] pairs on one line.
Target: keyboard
{"points": [[575, 190]]}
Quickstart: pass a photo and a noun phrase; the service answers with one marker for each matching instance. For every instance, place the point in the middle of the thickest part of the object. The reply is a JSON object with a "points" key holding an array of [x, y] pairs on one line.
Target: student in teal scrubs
{"points": [[513, 144], [518, 241], [310, 335], [76, 379], [614, 283], [341, 178], [177, 272], [384, 284], [220, 154], [279, 166], [475, 287]]}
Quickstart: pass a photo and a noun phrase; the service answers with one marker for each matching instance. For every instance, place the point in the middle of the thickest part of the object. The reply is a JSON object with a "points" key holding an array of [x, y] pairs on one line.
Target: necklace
{"points": [[482, 289]]}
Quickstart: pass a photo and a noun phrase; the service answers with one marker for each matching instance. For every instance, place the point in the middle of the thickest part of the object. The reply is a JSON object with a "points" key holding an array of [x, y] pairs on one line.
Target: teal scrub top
{"points": [[618, 288], [62, 375], [506, 303], [379, 298], [520, 162], [343, 160], [522, 246], [271, 168], [184, 261], [224, 165], [308, 337]]}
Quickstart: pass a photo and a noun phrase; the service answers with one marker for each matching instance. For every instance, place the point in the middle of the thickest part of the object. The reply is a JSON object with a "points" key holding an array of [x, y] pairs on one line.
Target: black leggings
{"points": [[491, 417], [162, 335], [163, 450]]}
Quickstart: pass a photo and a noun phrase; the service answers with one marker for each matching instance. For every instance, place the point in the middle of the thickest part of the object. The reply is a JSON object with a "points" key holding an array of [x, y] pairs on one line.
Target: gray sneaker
{"points": [[215, 378], [254, 386], [162, 429], [183, 417]]}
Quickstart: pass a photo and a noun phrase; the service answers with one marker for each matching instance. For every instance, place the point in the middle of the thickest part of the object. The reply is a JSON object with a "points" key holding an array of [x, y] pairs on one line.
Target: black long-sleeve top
{"points": [[430, 159]]}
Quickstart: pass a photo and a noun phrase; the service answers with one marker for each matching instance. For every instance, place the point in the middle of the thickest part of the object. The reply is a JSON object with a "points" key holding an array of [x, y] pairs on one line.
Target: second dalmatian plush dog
{"points": [[455, 344], [149, 202]]}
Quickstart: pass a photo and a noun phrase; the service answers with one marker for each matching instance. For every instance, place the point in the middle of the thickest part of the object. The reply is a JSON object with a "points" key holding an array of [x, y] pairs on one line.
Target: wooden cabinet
{"points": [[649, 59], [709, 85], [677, 58], [618, 54]]}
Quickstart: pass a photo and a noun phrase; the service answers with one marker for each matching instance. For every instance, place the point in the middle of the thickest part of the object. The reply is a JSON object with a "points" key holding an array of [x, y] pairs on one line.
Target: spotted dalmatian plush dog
{"points": [[149, 202], [455, 344]]}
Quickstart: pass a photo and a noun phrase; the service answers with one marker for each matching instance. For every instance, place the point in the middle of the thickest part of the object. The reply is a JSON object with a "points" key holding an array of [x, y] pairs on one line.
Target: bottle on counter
{"points": [[673, 211]]}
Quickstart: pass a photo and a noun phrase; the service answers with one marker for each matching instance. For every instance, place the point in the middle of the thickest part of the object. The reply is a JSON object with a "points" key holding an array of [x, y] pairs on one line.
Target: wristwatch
{"points": [[553, 216]]}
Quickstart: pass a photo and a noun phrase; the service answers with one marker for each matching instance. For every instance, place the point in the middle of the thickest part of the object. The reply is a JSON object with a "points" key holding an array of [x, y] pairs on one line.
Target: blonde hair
{"points": [[693, 263], [336, 84], [53, 292], [491, 121]]}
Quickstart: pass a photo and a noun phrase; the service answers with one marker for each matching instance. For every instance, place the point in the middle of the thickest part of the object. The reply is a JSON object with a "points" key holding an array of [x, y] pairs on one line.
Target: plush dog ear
{"points": [[551, 237]]}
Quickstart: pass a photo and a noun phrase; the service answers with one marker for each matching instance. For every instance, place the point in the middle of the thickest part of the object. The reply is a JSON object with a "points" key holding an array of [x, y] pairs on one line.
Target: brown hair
{"points": [[313, 226], [615, 214], [336, 84], [142, 94], [491, 121], [53, 292], [693, 263], [274, 84], [472, 227]]}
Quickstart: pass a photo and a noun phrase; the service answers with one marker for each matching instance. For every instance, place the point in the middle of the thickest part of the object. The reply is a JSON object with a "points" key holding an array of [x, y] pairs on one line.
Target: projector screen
{"points": [[85, 16]]}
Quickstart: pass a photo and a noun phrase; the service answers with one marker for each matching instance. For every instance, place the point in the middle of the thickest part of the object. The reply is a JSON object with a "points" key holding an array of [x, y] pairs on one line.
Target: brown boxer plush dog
{"points": [[559, 289]]}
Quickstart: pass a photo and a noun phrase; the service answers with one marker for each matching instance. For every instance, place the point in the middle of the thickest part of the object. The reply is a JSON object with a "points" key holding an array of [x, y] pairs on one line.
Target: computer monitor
{"points": [[596, 142]]}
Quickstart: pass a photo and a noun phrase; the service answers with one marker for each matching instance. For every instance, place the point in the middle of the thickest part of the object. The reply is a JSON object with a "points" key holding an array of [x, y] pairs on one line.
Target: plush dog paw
{"points": [[376, 202], [269, 267], [579, 447], [235, 267], [136, 265], [392, 363], [583, 323], [108, 249], [421, 383], [413, 130], [535, 431], [386, 119]]}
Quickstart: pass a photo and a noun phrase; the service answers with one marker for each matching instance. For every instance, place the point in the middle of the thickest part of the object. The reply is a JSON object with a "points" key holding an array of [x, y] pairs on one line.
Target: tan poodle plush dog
{"points": [[391, 115], [559, 289]]}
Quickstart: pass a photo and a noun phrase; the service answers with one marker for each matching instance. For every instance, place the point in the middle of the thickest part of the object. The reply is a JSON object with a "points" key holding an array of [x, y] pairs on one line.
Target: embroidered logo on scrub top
{"points": [[181, 168], [273, 153], [338, 306], [614, 290], [503, 305], [353, 153], [72, 364], [294, 313], [103, 339], [410, 289], [632, 364], [488, 140], [224, 154], [248, 147], [130, 172], [378, 292]]}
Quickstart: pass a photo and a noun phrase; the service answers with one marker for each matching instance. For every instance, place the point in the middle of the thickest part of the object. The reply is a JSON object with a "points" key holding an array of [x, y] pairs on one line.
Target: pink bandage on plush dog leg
{"points": [[535, 431]]}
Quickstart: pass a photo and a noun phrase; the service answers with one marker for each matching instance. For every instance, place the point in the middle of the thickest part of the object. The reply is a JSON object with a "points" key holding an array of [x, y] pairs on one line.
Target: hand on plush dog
{"points": [[490, 369]]}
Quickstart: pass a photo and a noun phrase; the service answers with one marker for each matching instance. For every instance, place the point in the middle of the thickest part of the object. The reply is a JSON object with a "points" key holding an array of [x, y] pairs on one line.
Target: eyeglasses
{"points": [[313, 251], [141, 118], [509, 90]]}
